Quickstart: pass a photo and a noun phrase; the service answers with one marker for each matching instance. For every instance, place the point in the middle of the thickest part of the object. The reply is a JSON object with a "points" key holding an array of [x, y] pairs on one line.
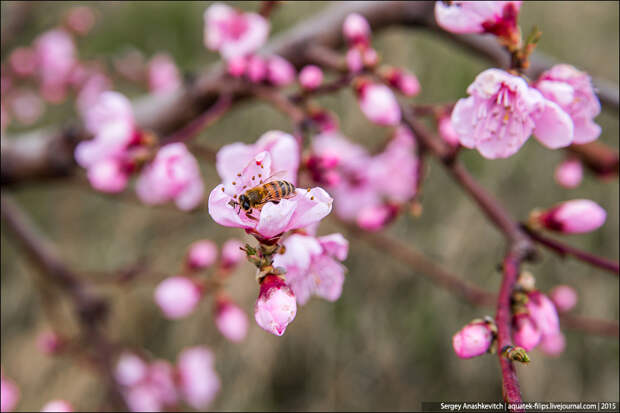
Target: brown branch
{"points": [[598, 157], [91, 309], [589, 325]]}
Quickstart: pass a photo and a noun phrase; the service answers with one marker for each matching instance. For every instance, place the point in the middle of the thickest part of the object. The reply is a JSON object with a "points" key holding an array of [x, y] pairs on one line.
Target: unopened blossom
{"points": [[310, 77], [27, 106], [276, 306], [48, 342], [525, 332], [280, 72], [553, 345], [156, 391], [177, 297], [564, 297], [163, 74], [446, 131], [232, 254], [237, 66], [59, 406], [130, 369], [573, 91], [231, 320], [502, 112], [9, 394], [232, 32], [472, 340], [543, 313], [569, 173], [80, 20], [571, 217], [355, 60], [174, 175], [256, 69], [403, 81], [378, 103], [356, 29], [201, 254], [313, 265], [55, 52], [374, 218], [23, 61], [198, 380], [108, 175], [497, 17]]}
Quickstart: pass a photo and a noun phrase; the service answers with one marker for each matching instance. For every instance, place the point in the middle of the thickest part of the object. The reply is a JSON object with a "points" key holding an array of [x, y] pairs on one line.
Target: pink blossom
{"points": [[237, 66], [356, 29], [472, 340], [280, 72], [497, 17], [569, 173], [355, 60], [553, 345], [130, 369], [374, 218], [543, 313], [371, 57], [233, 33], [27, 106], [525, 332], [256, 69], [163, 74], [108, 175], [231, 320], [232, 254], [573, 91], [80, 20], [9, 394], [177, 297], [91, 90], [564, 297], [378, 103], [312, 265], [174, 174], [403, 81], [304, 208], [48, 342], [201, 254], [55, 59], [283, 148], [275, 307], [198, 380], [23, 61], [573, 217], [310, 77], [155, 391], [447, 132], [503, 111], [61, 406]]}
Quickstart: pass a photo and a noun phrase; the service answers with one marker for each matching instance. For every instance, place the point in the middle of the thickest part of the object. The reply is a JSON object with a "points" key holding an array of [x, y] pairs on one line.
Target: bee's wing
{"points": [[276, 176]]}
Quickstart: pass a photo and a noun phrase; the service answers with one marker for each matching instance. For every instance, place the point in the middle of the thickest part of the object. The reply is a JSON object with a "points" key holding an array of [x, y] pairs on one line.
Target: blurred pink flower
{"points": [[569, 173], [310, 77], [9, 394], [275, 307], [543, 313], [163, 74], [177, 297], [198, 380], [256, 69], [232, 32], [237, 66], [156, 390], [572, 217], [564, 297], [60, 406], [230, 320], [497, 17], [312, 265], [23, 61], [525, 332], [403, 81], [355, 60], [108, 175], [91, 89], [80, 20], [573, 91], [472, 340], [378, 103], [232, 254], [27, 106], [553, 345], [356, 29], [374, 218], [201, 254], [280, 71], [503, 111], [55, 52], [174, 174], [130, 369], [447, 132]]}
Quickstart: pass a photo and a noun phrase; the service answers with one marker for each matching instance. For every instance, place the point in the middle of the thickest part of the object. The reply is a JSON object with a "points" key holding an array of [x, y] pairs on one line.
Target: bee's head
{"points": [[244, 202]]}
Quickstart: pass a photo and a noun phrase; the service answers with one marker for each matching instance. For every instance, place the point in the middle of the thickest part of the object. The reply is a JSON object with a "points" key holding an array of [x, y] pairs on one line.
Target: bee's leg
{"points": [[247, 214]]}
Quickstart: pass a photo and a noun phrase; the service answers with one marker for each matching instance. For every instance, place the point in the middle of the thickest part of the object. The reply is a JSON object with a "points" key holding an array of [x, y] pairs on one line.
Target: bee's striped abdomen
{"points": [[277, 190]]}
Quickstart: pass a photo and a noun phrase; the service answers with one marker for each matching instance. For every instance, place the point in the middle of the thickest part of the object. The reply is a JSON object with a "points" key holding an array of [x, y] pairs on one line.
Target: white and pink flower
{"points": [[378, 103], [177, 297], [198, 380], [497, 17], [56, 57], [472, 340]]}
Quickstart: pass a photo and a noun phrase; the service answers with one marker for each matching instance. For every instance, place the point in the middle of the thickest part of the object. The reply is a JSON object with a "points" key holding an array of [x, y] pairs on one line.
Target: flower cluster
{"points": [[538, 324], [368, 189], [158, 385]]}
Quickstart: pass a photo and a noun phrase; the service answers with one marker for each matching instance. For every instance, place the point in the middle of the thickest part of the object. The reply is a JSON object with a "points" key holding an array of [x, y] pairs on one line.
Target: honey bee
{"points": [[273, 190]]}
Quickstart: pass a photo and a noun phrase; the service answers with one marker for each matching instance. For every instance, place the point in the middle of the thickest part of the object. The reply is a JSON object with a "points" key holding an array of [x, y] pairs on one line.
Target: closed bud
{"points": [[257, 69], [401, 80], [473, 340], [232, 253], [177, 296], [231, 320], [569, 173], [310, 77], [571, 217], [356, 29], [525, 333], [280, 72], [564, 297], [237, 66], [276, 305], [201, 254]]}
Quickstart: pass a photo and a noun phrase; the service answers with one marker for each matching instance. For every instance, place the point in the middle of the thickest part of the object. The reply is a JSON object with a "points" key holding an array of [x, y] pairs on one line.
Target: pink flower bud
{"points": [[231, 320], [543, 313], [553, 345], [371, 57], [447, 132], [279, 71], [130, 369], [48, 342], [237, 66], [198, 380], [355, 61], [573, 217], [569, 173], [276, 305], [163, 74], [60, 406], [108, 176], [23, 61], [80, 20], [9, 394], [256, 69], [356, 29], [378, 104], [564, 297], [310, 77], [202, 254], [472, 340], [373, 218], [177, 296], [232, 254], [403, 81], [525, 332]]}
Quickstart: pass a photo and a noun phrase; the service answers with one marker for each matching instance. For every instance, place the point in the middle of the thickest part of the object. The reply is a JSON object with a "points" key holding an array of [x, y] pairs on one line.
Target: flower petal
{"points": [[553, 127], [221, 212], [312, 206], [232, 159], [275, 218]]}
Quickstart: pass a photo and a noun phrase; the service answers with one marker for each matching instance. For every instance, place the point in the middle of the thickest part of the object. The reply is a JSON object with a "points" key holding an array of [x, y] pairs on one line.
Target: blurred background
{"points": [[386, 343]]}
